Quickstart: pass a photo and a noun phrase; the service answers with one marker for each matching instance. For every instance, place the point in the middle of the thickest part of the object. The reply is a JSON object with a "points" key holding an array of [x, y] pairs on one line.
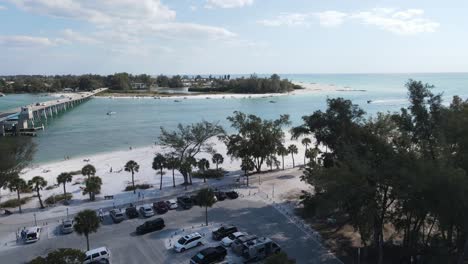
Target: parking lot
{"points": [[253, 217]]}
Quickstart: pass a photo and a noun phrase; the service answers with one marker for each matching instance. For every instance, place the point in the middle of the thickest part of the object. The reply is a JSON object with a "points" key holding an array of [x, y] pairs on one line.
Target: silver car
{"points": [[116, 215], [67, 226]]}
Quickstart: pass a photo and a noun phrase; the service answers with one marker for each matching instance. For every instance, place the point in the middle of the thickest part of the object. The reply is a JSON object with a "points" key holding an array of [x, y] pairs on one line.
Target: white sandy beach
{"points": [[114, 182]]}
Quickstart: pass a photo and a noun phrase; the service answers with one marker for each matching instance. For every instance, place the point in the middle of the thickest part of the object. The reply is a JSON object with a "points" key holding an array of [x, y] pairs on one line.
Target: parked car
{"points": [[67, 226], [188, 242], [172, 204], [221, 196], [209, 255], [31, 234], [232, 195], [117, 215], [227, 241], [223, 232], [259, 249], [238, 244], [97, 255], [146, 210], [131, 212], [150, 226], [194, 199], [160, 207], [185, 202]]}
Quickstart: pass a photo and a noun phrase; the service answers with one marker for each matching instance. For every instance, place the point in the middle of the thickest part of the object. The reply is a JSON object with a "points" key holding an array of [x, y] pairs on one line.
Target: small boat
{"points": [[369, 101], [111, 113], [111, 97], [177, 101], [273, 102], [2, 95]]}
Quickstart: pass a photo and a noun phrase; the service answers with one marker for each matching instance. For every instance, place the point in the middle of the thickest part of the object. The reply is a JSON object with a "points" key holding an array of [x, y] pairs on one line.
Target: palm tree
{"points": [[36, 184], [132, 167], [203, 165], [63, 178], [293, 150], [247, 165], [88, 170], [306, 142], [185, 169], [282, 151], [217, 159], [18, 185], [193, 163], [93, 187], [205, 198], [159, 163], [172, 163], [86, 222]]}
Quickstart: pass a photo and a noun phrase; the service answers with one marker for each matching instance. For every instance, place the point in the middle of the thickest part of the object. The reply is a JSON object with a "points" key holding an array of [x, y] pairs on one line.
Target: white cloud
{"points": [[286, 19], [406, 22], [121, 20], [3, 8], [73, 36], [21, 41], [331, 18], [228, 3], [402, 22]]}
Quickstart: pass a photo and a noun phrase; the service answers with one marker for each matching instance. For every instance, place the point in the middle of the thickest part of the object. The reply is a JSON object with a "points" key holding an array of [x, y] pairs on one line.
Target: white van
{"points": [[31, 234], [96, 255]]}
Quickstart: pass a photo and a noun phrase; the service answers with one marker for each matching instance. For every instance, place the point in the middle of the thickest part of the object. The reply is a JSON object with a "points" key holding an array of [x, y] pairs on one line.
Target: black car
{"points": [[194, 200], [150, 226], [232, 195], [223, 232], [160, 207], [131, 212], [209, 255], [185, 202], [221, 196]]}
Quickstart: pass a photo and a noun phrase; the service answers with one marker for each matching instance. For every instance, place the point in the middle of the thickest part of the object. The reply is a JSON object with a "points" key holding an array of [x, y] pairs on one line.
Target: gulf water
{"points": [[87, 129]]}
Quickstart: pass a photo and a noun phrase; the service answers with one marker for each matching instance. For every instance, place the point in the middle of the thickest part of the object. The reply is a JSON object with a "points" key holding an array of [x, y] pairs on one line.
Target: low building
{"points": [[139, 86]]}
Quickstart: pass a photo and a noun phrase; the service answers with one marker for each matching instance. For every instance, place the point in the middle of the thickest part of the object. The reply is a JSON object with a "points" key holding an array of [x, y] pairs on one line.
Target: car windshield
{"points": [[148, 209], [200, 256], [182, 241], [119, 214], [31, 236], [67, 225]]}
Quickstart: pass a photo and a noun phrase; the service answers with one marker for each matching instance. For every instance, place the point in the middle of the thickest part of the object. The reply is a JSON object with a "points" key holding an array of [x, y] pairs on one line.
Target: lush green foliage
{"points": [[206, 198], [86, 222], [61, 256], [279, 258], [143, 186], [209, 174], [251, 85], [255, 139], [92, 187], [11, 203], [16, 154], [63, 178], [159, 163], [406, 170], [132, 167], [58, 198], [217, 159], [37, 183]]}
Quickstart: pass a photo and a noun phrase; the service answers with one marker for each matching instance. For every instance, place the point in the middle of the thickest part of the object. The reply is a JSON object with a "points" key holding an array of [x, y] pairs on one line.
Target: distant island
{"points": [[143, 84]]}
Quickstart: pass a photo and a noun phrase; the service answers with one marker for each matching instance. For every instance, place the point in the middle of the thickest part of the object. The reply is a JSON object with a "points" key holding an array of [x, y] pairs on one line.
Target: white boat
{"points": [[2, 95], [111, 113]]}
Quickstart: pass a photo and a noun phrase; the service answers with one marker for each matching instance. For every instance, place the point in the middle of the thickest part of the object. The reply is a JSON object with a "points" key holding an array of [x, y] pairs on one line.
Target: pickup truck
{"points": [[209, 255]]}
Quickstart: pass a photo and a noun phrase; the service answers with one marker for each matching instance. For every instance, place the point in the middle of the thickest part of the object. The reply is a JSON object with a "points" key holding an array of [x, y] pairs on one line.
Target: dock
{"points": [[26, 120]]}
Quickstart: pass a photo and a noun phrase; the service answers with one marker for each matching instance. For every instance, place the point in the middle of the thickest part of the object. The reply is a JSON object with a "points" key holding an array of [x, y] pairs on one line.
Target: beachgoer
{"points": [[139, 195], [111, 169]]}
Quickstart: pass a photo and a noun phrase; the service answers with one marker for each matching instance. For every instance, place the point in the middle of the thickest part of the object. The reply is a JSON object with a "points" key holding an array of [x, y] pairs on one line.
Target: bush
{"points": [[61, 255], [50, 187], [138, 186], [59, 197], [209, 174], [14, 202], [73, 173]]}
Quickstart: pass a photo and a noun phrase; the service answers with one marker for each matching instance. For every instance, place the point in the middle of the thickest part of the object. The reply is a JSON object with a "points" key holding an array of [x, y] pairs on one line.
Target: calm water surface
{"points": [[87, 129]]}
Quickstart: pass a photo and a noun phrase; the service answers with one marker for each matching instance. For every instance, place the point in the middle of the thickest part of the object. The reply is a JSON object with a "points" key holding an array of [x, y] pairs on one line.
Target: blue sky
{"points": [[232, 36]]}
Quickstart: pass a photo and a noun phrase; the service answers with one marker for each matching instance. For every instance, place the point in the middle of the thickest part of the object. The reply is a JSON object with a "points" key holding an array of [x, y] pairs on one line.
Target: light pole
{"points": [[67, 212], [273, 191], [35, 221]]}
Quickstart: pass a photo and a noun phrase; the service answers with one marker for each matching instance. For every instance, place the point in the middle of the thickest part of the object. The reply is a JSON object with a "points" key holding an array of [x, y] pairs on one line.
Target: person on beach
{"points": [[111, 169], [101, 214]]}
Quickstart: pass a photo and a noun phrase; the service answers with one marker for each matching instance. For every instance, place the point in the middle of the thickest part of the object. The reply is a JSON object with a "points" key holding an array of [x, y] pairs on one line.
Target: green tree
{"points": [[19, 186], [279, 258], [159, 163], [282, 151], [63, 178], [306, 142], [205, 198], [92, 187], [17, 154], [172, 163], [247, 165], [188, 141], [37, 183], [255, 138], [132, 166], [293, 150], [61, 256], [86, 223], [203, 165], [88, 170], [217, 159]]}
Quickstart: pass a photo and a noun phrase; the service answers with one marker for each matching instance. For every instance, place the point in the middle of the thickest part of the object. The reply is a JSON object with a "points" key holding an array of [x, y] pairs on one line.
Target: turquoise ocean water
{"points": [[87, 129]]}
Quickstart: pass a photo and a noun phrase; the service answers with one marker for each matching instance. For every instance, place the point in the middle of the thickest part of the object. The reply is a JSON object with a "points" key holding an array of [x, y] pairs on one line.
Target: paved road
{"points": [[254, 217]]}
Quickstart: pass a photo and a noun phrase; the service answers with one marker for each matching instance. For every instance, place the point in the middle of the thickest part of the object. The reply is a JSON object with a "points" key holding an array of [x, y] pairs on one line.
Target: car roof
{"points": [[67, 221], [236, 234], [96, 250], [146, 206], [32, 229], [196, 234], [172, 201], [116, 210]]}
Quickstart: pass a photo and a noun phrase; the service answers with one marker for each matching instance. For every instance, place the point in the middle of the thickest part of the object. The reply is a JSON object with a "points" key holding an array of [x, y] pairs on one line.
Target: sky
{"points": [[232, 36]]}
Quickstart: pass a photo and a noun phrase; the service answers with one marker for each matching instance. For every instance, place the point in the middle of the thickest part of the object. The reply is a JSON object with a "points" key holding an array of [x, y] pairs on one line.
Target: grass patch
{"points": [[138, 186], [209, 174], [57, 198], [14, 202]]}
